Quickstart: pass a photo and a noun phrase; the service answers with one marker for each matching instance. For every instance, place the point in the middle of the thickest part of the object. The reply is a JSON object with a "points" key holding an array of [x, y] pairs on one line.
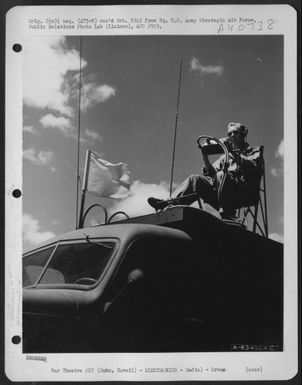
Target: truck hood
{"points": [[58, 303]]}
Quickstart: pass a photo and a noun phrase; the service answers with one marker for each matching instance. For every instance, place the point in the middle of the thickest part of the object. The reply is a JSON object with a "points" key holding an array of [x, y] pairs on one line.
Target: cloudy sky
{"points": [[129, 91]]}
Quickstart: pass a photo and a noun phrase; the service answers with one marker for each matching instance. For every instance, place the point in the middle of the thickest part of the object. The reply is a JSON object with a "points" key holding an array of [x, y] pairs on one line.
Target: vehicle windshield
{"points": [[70, 264], [34, 264]]}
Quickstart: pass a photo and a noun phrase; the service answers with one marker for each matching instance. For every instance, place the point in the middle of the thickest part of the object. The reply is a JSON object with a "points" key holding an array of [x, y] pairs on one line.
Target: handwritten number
{"points": [[270, 23], [260, 23]]}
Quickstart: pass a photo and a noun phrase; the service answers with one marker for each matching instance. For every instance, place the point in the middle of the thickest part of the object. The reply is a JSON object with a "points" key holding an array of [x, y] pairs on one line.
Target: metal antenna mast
{"points": [[79, 135], [175, 130]]}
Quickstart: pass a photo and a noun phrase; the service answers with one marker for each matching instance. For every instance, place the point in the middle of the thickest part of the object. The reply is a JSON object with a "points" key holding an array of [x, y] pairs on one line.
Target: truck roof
{"points": [[181, 222], [122, 231]]}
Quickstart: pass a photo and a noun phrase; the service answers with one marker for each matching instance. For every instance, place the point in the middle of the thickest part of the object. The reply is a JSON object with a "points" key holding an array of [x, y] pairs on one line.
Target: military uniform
{"points": [[231, 190]]}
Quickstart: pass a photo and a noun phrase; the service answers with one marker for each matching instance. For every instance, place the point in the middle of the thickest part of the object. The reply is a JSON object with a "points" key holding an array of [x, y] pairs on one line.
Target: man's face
{"points": [[235, 136]]}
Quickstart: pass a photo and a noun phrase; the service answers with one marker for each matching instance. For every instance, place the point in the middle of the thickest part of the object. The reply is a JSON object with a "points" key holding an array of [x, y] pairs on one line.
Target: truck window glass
{"points": [[34, 264], [78, 263]]}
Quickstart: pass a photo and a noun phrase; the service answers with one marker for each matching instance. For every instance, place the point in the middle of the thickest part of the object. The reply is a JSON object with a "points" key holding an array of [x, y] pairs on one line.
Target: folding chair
{"points": [[251, 208]]}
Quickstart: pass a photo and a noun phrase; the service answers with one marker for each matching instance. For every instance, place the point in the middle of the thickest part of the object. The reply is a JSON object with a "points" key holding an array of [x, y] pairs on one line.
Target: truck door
{"points": [[143, 316]]}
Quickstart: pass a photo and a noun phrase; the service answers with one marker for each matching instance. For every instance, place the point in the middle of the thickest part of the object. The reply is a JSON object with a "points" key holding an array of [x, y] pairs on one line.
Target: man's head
{"points": [[237, 133]]}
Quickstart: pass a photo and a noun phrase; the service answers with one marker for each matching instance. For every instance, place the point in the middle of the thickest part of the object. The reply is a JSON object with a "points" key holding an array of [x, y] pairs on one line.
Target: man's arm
{"points": [[209, 170], [251, 163]]}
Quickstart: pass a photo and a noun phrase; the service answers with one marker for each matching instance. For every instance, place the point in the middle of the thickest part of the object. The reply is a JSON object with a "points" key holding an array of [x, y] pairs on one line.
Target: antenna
{"points": [[79, 134], [175, 129]]}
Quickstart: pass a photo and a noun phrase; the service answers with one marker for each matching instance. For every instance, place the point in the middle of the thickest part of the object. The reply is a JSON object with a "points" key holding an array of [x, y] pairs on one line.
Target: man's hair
{"points": [[241, 127]]}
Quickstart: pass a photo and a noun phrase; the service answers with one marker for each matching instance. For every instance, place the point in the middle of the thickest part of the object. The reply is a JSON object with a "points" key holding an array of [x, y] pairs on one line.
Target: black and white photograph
{"points": [[154, 159]]}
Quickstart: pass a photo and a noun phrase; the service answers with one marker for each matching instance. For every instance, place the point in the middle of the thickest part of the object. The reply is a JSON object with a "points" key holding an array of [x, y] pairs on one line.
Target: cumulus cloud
{"points": [[31, 231], [276, 237], [51, 78], [59, 122], [93, 94], [136, 204], [47, 62], [30, 129], [40, 158], [94, 222], [93, 135], [276, 172], [279, 153], [202, 70]]}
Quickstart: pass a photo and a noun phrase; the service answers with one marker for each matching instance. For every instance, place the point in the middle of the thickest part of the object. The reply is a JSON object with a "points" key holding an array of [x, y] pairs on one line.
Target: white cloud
{"points": [[51, 77], [94, 222], [196, 66], [30, 129], [280, 151], [93, 94], [276, 237], [41, 158], [277, 172], [59, 122], [136, 204], [93, 135], [47, 62], [32, 233]]}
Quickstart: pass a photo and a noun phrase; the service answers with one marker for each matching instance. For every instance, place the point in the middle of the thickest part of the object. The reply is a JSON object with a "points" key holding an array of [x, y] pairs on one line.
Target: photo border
{"points": [[298, 135]]}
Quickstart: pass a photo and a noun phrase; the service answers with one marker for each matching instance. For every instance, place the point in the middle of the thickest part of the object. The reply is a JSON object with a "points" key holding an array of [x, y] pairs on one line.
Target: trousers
{"points": [[227, 196]]}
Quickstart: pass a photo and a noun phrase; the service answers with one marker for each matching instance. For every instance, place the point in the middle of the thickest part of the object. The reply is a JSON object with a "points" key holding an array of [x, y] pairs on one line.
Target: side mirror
{"points": [[135, 276]]}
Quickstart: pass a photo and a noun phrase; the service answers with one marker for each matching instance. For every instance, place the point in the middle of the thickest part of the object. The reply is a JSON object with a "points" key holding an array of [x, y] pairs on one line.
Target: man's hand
{"points": [[236, 155]]}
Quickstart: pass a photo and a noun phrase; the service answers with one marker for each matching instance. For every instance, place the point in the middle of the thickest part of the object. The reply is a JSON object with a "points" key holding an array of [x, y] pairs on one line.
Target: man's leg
{"points": [[226, 187], [199, 184]]}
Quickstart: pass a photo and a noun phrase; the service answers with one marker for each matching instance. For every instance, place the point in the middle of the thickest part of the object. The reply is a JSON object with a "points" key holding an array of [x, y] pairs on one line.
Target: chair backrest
{"points": [[257, 200]]}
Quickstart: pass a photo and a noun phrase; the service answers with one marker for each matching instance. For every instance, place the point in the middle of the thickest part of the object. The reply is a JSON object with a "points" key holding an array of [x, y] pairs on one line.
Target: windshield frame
{"points": [[95, 240], [28, 254]]}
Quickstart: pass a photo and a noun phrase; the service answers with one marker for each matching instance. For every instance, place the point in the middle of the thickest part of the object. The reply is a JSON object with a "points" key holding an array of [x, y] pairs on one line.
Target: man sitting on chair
{"points": [[227, 189]]}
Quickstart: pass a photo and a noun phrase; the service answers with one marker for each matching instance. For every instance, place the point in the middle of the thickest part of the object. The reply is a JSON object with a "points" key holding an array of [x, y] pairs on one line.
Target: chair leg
{"points": [[255, 217]]}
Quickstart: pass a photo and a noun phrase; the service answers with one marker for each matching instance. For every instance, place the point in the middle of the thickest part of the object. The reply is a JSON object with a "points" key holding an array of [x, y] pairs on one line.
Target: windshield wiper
{"points": [[97, 243]]}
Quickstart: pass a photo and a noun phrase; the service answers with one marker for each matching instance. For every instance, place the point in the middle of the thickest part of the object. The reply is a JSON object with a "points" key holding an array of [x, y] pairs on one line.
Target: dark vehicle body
{"points": [[178, 280]]}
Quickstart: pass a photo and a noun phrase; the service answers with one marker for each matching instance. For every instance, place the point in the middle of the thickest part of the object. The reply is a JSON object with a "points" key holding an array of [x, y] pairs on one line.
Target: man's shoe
{"points": [[157, 204]]}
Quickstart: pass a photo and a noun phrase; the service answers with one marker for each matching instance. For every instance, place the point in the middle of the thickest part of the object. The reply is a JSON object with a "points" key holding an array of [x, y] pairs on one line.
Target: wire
{"points": [[175, 129], [79, 134]]}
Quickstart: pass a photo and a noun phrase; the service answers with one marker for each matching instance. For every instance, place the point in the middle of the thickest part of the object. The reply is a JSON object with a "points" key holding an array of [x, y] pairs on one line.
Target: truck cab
{"points": [[176, 280]]}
